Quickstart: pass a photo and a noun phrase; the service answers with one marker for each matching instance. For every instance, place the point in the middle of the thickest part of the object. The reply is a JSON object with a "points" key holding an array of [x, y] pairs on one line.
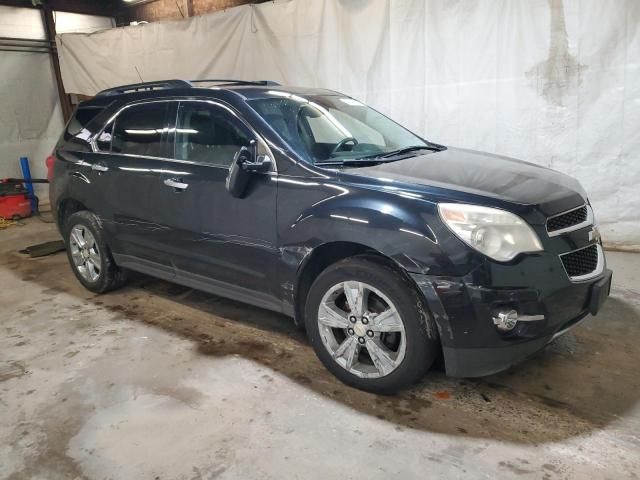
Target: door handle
{"points": [[99, 167], [176, 183]]}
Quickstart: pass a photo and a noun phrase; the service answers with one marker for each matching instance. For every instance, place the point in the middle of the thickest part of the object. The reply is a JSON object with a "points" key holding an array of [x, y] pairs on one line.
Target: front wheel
{"points": [[369, 326]]}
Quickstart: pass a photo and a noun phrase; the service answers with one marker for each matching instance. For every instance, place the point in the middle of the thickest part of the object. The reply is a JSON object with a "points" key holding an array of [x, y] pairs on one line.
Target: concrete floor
{"points": [[157, 381]]}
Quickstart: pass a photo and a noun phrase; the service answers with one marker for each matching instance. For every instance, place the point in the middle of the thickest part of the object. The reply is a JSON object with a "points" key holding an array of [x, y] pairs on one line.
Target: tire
{"points": [[404, 363], [100, 273]]}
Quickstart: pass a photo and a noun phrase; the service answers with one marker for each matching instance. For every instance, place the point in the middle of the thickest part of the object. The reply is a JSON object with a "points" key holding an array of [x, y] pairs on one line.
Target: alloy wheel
{"points": [[85, 253], [361, 329]]}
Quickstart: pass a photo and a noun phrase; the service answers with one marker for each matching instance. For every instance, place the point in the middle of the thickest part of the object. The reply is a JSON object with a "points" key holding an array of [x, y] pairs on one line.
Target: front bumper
{"points": [[463, 312]]}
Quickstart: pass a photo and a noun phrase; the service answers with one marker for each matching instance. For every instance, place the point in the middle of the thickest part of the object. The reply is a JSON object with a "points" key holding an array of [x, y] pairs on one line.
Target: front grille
{"points": [[581, 262], [568, 219]]}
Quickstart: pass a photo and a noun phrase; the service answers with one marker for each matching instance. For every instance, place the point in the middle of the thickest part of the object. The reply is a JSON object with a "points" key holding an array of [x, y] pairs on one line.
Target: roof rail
{"points": [[137, 87], [265, 83]]}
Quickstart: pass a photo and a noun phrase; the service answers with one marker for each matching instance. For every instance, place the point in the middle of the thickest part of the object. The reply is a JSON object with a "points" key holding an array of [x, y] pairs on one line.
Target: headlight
{"points": [[496, 233]]}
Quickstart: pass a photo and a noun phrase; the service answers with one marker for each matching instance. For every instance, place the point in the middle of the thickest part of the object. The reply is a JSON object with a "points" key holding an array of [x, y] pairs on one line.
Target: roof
{"points": [[252, 91]]}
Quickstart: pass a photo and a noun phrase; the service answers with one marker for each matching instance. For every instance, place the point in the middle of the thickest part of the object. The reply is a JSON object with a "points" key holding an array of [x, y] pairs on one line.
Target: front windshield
{"points": [[332, 128]]}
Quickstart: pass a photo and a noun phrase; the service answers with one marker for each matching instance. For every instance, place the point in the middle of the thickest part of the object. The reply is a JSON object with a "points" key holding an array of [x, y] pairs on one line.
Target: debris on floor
{"points": [[5, 223], [44, 249]]}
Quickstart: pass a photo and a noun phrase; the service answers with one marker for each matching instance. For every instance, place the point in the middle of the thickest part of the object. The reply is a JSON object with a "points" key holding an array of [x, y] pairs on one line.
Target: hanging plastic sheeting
{"points": [[553, 82]]}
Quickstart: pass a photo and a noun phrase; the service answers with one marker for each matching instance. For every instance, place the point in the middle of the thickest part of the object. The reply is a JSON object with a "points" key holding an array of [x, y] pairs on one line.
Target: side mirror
{"points": [[262, 165], [238, 176], [242, 167]]}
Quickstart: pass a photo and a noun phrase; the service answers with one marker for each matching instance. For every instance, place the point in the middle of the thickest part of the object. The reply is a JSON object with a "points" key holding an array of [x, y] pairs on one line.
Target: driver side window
{"points": [[208, 134]]}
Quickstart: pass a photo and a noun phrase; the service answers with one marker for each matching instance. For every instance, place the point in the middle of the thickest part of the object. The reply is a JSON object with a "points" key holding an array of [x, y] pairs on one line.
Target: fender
{"points": [[74, 184], [383, 226], [405, 229], [69, 182]]}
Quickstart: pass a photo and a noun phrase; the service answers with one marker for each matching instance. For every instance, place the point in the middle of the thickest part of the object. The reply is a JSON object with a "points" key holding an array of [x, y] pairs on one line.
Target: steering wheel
{"points": [[342, 143]]}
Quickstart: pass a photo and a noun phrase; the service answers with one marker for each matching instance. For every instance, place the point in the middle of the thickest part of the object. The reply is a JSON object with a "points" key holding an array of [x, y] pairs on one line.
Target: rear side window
{"points": [[81, 117], [208, 134], [140, 130]]}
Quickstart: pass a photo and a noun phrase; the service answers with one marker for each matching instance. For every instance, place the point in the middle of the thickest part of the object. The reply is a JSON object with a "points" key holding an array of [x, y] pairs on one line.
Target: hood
{"points": [[483, 174]]}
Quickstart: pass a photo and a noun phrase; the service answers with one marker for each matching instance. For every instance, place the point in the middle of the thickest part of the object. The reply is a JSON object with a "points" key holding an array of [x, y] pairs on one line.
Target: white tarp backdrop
{"points": [[555, 82]]}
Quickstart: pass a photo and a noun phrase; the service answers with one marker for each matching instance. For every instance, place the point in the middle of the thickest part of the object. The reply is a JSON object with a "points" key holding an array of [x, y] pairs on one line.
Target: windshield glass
{"points": [[332, 128]]}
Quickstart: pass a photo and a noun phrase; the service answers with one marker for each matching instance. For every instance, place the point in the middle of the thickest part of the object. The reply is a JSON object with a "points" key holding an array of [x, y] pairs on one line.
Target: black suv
{"points": [[389, 249]]}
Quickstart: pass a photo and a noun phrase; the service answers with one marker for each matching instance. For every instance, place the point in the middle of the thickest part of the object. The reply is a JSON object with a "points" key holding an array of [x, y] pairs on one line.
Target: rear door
{"points": [[127, 174]]}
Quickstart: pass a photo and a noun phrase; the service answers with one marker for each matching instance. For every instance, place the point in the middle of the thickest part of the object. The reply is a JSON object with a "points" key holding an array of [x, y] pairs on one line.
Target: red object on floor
{"points": [[14, 201]]}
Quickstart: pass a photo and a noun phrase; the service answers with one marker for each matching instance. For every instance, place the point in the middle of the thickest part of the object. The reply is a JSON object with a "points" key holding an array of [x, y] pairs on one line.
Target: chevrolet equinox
{"points": [[390, 250]]}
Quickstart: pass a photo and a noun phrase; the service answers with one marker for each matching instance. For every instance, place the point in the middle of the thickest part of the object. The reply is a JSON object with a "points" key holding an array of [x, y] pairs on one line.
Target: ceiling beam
{"points": [[107, 8]]}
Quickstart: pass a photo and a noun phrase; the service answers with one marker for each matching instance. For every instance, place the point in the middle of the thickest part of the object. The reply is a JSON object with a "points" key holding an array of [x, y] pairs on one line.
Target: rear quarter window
{"points": [[75, 136], [81, 117]]}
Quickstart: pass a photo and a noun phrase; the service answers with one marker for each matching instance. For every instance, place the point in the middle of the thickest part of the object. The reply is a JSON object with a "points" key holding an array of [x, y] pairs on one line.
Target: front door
{"points": [[216, 242]]}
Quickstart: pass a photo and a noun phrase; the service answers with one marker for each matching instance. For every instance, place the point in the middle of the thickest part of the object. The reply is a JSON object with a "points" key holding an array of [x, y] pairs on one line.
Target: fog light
{"points": [[505, 320]]}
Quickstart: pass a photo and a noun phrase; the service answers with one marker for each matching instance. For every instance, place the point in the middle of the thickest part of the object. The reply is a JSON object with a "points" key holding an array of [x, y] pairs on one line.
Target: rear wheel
{"points": [[367, 325], [89, 254]]}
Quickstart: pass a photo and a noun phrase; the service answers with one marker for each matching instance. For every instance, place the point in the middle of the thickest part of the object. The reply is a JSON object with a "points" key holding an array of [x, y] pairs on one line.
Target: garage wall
{"points": [[550, 81], [30, 114]]}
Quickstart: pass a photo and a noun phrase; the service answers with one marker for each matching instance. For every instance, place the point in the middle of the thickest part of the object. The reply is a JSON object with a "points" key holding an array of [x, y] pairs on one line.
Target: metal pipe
{"points": [[19, 39], [22, 180], [26, 173], [23, 51], [3, 44]]}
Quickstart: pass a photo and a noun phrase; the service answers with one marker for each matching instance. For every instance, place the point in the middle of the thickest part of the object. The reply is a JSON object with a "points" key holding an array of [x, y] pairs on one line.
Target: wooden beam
{"points": [[50, 29]]}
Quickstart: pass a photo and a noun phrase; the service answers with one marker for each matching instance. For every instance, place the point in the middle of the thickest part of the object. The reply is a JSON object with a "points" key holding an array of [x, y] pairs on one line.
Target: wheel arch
{"points": [[327, 254], [345, 225], [67, 207]]}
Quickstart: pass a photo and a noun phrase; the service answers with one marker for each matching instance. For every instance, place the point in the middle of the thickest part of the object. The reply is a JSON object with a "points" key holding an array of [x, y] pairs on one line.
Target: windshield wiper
{"points": [[380, 158], [352, 161], [401, 151], [413, 148]]}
